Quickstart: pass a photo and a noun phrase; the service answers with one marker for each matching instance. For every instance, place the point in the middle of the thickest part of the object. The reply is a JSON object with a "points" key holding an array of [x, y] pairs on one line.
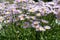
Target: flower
{"points": [[35, 24], [50, 3], [41, 29], [44, 21], [7, 21], [26, 25], [0, 26], [7, 12], [47, 27], [57, 21], [21, 0], [33, 17], [21, 17], [1, 18], [27, 17], [32, 10], [58, 15], [38, 14]]}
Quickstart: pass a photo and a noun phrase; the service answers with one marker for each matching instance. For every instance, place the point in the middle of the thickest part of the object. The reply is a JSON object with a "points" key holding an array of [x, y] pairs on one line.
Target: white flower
{"points": [[1, 18], [21, 17], [47, 27], [7, 21], [32, 10], [28, 17], [57, 21], [44, 21], [21, 0], [19, 11], [33, 17], [7, 12], [38, 14], [41, 29], [2, 6], [30, 1], [0, 26]]}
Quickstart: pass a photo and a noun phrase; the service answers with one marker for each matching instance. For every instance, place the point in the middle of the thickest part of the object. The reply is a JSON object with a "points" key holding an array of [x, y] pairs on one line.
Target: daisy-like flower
{"points": [[0, 26], [47, 27], [57, 21], [15, 19], [30, 1], [26, 25], [27, 17], [33, 17], [1, 18], [58, 14], [30, 6], [50, 3], [32, 10], [44, 21], [21, 17], [48, 9], [21, 0], [7, 21], [41, 3], [58, 17], [35, 24], [7, 12], [2, 6], [57, 2], [55, 9], [12, 6], [41, 28], [38, 14], [42, 10], [15, 11]]}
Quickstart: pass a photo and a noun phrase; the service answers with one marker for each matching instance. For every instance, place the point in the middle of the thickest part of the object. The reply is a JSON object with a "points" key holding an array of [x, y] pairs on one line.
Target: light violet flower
{"points": [[47, 27], [7, 13], [35, 24], [50, 3], [21, 0], [44, 21], [33, 9], [57, 2], [41, 3], [25, 24], [43, 10], [58, 15]]}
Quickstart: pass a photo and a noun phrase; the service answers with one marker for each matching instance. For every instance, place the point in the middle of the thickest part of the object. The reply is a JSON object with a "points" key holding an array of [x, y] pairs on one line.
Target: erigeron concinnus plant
{"points": [[29, 12]]}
